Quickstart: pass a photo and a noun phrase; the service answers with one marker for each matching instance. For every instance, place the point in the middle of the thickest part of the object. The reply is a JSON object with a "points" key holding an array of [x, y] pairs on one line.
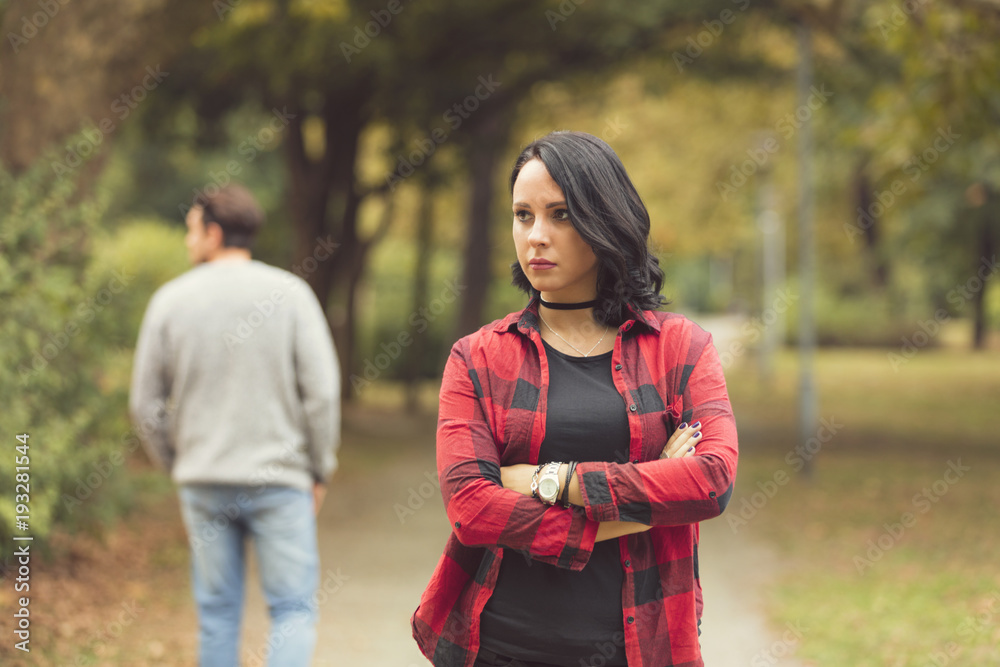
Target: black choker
{"points": [[567, 306]]}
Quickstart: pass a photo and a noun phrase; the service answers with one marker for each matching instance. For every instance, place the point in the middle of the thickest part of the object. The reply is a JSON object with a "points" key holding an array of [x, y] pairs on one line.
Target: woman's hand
{"points": [[682, 442], [517, 477]]}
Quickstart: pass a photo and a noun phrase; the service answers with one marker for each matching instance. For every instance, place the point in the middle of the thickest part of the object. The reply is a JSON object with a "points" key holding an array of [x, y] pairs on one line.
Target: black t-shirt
{"points": [[542, 613]]}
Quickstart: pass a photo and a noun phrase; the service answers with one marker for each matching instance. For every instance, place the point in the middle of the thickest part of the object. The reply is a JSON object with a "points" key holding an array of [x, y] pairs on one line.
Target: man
{"points": [[237, 386]]}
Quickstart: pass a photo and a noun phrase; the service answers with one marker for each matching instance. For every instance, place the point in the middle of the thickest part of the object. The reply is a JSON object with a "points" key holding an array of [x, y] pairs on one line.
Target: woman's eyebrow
{"points": [[552, 205]]}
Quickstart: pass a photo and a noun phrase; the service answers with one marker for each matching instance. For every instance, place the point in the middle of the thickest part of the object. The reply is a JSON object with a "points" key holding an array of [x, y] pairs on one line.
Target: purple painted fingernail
{"points": [[696, 425], [684, 425], [690, 450], [697, 435]]}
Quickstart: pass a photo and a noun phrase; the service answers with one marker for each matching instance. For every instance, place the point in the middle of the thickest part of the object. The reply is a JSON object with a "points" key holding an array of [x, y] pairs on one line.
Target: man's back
{"points": [[236, 391], [244, 352]]}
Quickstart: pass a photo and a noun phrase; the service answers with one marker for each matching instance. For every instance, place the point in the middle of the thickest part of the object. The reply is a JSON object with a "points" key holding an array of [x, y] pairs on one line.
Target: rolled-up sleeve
{"points": [[481, 511], [669, 492]]}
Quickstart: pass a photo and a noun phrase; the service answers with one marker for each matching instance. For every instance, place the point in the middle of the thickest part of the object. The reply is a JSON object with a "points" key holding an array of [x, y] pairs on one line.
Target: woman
{"points": [[570, 474]]}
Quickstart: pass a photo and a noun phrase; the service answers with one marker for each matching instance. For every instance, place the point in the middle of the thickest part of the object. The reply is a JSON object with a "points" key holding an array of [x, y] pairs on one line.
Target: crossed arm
{"points": [[490, 505], [517, 477]]}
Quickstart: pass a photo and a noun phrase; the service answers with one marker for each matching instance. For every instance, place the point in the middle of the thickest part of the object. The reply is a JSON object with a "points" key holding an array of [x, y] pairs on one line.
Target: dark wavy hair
{"points": [[609, 215]]}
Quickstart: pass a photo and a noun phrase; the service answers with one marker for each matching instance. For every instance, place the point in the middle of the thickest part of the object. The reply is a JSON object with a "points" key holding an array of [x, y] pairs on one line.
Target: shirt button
{"points": [[631, 619], [632, 407], [635, 460], [458, 524], [628, 563], [618, 367]]}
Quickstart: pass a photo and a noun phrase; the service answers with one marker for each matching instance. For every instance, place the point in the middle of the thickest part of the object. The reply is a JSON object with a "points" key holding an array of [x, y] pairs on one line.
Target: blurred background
{"points": [[823, 179]]}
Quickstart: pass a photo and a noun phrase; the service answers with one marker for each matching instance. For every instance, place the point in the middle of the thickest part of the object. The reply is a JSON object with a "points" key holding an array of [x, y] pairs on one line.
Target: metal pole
{"points": [[807, 257], [772, 276]]}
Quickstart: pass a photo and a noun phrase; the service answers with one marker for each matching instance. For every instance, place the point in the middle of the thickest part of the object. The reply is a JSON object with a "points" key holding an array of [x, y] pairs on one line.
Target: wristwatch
{"points": [[548, 483]]}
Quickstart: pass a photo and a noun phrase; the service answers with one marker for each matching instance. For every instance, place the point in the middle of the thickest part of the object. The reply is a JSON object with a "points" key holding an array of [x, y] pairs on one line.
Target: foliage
{"points": [[72, 303]]}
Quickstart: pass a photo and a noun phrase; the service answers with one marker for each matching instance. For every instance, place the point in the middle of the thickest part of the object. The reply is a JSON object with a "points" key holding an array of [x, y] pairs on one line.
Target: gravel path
{"points": [[735, 571]]}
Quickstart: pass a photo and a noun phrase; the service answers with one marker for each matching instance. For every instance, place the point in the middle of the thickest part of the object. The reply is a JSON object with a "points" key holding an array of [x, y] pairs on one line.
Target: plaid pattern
{"points": [[492, 413]]}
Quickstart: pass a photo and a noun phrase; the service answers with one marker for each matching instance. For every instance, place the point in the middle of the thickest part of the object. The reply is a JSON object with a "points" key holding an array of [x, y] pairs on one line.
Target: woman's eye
{"points": [[523, 216], [561, 214]]}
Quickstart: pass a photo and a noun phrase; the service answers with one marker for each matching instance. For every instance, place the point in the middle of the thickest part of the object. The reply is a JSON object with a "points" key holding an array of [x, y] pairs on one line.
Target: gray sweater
{"points": [[235, 379]]}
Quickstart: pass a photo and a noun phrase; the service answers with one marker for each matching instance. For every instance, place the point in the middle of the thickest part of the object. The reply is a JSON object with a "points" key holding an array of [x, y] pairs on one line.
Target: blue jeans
{"points": [[280, 520]]}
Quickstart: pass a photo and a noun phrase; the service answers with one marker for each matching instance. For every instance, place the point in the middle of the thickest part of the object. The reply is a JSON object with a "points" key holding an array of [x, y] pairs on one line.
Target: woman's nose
{"points": [[539, 234]]}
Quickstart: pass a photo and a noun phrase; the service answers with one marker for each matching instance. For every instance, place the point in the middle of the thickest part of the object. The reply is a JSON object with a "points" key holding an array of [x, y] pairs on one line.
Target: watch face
{"points": [[548, 488]]}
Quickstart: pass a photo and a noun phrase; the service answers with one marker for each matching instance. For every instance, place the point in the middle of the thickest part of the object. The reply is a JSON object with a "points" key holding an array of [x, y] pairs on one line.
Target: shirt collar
{"points": [[528, 319]]}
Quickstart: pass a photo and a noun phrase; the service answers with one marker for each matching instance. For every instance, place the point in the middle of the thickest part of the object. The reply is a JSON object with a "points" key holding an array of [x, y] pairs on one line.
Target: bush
{"points": [[72, 305], [858, 319]]}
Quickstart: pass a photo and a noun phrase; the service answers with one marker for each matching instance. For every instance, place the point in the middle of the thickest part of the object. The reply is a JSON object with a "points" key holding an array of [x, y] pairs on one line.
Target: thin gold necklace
{"points": [[586, 354]]}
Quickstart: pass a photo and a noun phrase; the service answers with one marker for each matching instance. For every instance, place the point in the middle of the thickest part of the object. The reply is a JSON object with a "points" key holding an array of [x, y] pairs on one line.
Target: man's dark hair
{"points": [[609, 215], [236, 211]]}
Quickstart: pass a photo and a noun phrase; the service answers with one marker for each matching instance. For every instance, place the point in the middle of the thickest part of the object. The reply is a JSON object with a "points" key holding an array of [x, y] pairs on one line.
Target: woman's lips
{"points": [[541, 266]]}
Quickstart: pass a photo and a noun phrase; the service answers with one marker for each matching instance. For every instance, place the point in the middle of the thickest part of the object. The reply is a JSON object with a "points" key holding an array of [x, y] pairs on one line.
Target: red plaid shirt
{"points": [[492, 414]]}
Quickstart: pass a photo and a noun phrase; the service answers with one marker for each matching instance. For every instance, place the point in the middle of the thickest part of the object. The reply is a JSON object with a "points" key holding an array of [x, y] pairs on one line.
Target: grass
{"points": [[889, 554]]}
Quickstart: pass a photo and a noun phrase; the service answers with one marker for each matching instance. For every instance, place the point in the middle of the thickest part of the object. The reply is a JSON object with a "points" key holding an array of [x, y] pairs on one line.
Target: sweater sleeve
{"points": [[668, 492], [481, 511], [151, 388], [317, 371]]}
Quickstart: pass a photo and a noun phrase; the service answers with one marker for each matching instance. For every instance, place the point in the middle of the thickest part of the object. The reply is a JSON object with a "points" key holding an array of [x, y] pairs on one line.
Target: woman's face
{"points": [[552, 254]]}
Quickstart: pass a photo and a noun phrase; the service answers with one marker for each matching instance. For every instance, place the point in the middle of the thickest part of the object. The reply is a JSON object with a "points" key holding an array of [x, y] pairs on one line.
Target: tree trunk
{"points": [[317, 189], [870, 224], [986, 248], [484, 150], [421, 279]]}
